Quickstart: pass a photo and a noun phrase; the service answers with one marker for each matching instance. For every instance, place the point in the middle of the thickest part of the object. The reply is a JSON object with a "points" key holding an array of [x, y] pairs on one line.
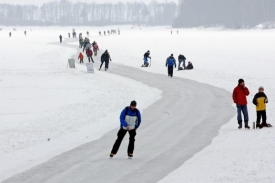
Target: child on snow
{"points": [[260, 100], [189, 66], [81, 57]]}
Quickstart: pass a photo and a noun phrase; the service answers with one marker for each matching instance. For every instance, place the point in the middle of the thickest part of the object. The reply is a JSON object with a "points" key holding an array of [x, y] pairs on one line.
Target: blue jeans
{"points": [[145, 59], [183, 61], [242, 109]]}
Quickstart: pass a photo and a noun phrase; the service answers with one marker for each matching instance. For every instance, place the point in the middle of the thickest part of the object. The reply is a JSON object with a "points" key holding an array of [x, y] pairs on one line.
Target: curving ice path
{"points": [[180, 124]]}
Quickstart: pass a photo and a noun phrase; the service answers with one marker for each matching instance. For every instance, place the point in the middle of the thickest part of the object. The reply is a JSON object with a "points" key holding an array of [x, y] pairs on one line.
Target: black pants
{"points": [[90, 59], [81, 60], [261, 114], [120, 135], [170, 71], [101, 64], [106, 64]]}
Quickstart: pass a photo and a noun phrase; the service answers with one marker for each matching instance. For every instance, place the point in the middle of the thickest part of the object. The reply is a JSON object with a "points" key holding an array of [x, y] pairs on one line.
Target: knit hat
{"points": [[133, 103], [241, 81]]}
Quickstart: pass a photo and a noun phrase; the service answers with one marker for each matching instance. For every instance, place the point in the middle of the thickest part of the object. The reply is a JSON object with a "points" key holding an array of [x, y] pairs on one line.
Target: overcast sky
{"points": [[39, 2]]}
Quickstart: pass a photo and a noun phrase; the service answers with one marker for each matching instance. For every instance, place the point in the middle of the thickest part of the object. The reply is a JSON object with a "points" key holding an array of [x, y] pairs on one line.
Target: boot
{"points": [[240, 126], [259, 126], [264, 124], [247, 127]]}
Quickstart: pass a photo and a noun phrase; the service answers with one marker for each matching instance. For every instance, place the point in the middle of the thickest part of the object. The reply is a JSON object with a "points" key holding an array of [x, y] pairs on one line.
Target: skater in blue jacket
{"points": [[130, 120]]}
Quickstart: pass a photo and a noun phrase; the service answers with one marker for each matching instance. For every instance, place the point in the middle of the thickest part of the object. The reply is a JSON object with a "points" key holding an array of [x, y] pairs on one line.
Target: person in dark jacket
{"points": [[145, 59], [60, 38], [170, 63], [181, 59], [260, 100], [130, 120], [239, 97], [189, 66], [105, 57]]}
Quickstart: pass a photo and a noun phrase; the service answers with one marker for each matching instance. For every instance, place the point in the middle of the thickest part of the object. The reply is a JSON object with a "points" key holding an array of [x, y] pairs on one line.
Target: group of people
{"points": [[113, 31], [91, 49], [130, 117], [172, 32], [260, 100], [170, 63]]}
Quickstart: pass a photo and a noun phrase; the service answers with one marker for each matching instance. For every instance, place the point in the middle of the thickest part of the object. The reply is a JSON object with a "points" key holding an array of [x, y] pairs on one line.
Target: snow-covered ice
{"points": [[46, 108], [36, 73]]}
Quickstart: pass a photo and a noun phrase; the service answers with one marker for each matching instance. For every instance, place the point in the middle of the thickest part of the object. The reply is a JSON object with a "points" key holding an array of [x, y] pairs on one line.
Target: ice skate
{"points": [[130, 156], [112, 155]]}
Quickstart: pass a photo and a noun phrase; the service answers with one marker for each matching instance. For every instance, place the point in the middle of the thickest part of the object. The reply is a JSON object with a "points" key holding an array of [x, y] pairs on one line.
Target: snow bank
{"points": [[47, 108]]}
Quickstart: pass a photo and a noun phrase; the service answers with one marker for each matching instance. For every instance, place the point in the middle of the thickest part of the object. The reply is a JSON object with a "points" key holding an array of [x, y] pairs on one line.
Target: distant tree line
{"points": [[65, 12], [227, 13]]}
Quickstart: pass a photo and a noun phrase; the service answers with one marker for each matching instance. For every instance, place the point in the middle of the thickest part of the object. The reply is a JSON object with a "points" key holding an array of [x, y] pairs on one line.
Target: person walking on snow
{"points": [[145, 59], [89, 54], [260, 100], [86, 41], [105, 57], [81, 41], [88, 46], [130, 120], [182, 60], [81, 57], [95, 47], [239, 97], [60, 38], [170, 62], [69, 34]]}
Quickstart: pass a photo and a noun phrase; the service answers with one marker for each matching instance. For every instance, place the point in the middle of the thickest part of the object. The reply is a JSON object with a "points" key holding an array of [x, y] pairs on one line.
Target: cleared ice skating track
{"points": [[173, 129]]}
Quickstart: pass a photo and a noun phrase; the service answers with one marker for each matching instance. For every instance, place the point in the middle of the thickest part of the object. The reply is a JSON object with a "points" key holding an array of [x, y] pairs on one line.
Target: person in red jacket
{"points": [[80, 56], [89, 54], [239, 98]]}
